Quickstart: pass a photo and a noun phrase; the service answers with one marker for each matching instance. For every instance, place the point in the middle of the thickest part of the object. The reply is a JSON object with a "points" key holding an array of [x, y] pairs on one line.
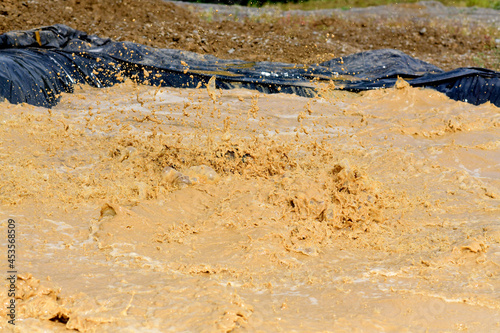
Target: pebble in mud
{"points": [[199, 174]]}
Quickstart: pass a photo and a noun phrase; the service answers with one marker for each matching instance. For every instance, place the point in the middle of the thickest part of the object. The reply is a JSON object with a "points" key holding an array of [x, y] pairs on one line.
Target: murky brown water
{"points": [[376, 212]]}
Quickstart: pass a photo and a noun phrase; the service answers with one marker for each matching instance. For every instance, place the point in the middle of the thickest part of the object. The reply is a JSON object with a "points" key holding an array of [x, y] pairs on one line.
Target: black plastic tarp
{"points": [[37, 65]]}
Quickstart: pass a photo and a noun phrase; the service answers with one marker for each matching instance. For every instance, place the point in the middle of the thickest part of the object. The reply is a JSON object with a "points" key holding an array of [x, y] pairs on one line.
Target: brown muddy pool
{"points": [[143, 209]]}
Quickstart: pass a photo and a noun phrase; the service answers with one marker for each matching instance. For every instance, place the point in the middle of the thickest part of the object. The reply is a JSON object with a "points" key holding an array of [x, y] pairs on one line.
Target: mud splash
{"points": [[152, 209]]}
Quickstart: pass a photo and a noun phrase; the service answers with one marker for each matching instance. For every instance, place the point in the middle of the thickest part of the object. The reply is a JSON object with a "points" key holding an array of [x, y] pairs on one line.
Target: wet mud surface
{"points": [[147, 209]]}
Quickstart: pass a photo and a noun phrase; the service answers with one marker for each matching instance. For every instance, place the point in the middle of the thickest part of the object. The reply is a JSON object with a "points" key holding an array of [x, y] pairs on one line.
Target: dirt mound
{"points": [[297, 39], [145, 21]]}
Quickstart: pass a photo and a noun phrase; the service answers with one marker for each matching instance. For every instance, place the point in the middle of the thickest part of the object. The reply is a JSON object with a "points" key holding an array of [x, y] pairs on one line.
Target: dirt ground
{"points": [[450, 40]]}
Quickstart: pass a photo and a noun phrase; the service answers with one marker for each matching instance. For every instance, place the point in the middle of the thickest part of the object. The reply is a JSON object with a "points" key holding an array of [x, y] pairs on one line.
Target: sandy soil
{"points": [[144, 209], [448, 38]]}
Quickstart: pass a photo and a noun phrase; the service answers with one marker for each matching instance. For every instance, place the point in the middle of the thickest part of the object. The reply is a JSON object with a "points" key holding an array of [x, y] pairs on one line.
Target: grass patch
{"points": [[346, 4], [487, 59]]}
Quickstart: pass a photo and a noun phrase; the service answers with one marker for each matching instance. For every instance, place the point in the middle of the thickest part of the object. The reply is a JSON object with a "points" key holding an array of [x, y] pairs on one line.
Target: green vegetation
{"points": [[344, 4], [324, 4], [488, 60], [250, 3], [483, 3]]}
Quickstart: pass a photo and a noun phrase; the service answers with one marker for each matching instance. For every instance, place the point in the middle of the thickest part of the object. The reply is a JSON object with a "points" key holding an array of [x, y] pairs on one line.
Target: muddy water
{"points": [[157, 210]]}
